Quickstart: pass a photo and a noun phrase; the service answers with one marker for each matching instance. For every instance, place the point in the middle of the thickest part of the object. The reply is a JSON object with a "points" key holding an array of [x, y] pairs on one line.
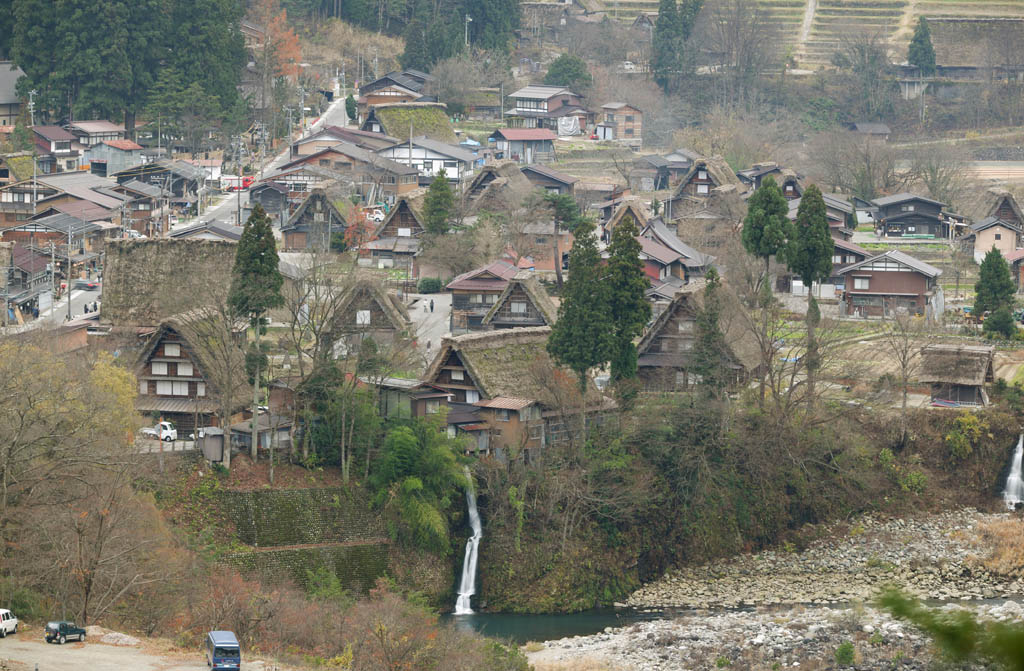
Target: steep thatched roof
{"points": [[536, 293], [404, 208], [969, 365], [497, 186], [390, 304], [633, 208], [743, 348], [994, 200], [500, 363], [315, 196], [718, 170], [429, 119]]}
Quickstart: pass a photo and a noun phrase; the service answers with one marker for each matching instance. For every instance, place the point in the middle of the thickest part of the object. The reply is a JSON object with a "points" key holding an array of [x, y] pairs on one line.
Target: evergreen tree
{"points": [[994, 288], [256, 286], [921, 52], [494, 23], [569, 71], [208, 47], [664, 43], [6, 28], [766, 228], [438, 205], [565, 215], [351, 108], [583, 336], [1001, 322], [809, 255], [708, 357], [628, 307]]}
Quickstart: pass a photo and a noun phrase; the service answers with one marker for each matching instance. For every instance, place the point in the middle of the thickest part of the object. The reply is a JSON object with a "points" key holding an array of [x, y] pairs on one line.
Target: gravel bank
{"points": [[930, 556], [802, 638]]}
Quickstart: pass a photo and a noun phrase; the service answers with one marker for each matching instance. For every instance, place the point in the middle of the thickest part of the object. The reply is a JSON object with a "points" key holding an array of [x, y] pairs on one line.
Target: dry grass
{"points": [[533, 646], [584, 664], [1004, 541]]}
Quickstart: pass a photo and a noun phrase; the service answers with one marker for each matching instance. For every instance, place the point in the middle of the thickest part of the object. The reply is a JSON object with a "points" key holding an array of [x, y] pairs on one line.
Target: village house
{"points": [[629, 207], [844, 253], [428, 157], [396, 240], [144, 209], [523, 303], [179, 182], [991, 232], [209, 230], [368, 311], [891, 283], [543, 106], [405, 120], [300, 180], [96, 131], [679, 163], [313, 223], [10, 103], [1002, 205], [906, 215], [112, 156], [704, 175], [525, 145], [664, 361], [957, 373], [273, 198], [872, 129], [620, 122], [688, 264], [15, 167], [394, 87], [28, 288], [838, 212], [475, 292], [551, 181], [54, 150], [174, 377], [506, 393], [273, 431], [1016, 261], [497, 186], [377, 179], [650, 172], [788, 180], [328, 136]]}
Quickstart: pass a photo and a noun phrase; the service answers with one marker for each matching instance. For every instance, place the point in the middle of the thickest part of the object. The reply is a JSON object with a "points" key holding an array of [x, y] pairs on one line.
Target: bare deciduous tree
{"points": [[904, 337]]}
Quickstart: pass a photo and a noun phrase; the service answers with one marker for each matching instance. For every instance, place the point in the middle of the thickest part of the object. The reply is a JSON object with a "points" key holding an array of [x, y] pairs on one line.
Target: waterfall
{"points": [[1014, 491], [467, 588]]}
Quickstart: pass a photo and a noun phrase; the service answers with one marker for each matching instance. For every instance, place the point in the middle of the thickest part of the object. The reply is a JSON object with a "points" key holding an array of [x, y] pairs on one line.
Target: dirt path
{"points": [[92, 656]]}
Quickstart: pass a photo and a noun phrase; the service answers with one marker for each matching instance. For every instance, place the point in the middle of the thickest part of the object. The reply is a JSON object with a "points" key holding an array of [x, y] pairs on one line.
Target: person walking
{"points": [[431, 304]]}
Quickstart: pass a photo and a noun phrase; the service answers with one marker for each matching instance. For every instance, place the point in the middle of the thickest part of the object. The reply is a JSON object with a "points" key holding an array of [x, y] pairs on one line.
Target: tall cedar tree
{"points": [[921, 52], [767, 229], [627, 305], [994, 288], [809, 255], [668, 43], [583, 336], [437, 206], [256, 286], [709, 355]]}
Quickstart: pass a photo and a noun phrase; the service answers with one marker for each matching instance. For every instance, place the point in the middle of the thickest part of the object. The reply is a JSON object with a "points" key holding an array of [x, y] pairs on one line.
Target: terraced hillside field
{"points": [[835, 18]]}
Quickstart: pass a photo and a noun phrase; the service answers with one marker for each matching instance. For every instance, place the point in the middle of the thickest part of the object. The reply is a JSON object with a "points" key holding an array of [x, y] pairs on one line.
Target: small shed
{"points": [[958, 373], [276, 429], [211, 443]]}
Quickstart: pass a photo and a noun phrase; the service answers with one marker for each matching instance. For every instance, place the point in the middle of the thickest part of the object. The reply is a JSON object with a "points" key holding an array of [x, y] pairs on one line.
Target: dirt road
{"points": [[92, 656]]}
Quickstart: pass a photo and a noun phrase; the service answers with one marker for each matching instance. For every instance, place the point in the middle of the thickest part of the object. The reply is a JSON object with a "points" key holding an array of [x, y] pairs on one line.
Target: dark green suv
{"points": [[62, 631]]}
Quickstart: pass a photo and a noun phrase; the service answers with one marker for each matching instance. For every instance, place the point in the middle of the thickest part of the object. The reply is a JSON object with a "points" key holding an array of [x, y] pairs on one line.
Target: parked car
{"points": [[8, 623], [376, 215], [628, 66], [223, 651], [132, 233], [164, 431], [61, 631], [88, 285]]}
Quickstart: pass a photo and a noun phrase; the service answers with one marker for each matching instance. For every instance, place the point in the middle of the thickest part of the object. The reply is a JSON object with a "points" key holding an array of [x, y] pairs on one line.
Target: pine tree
{"points": [[809, 255], [438, 205], [583, 337], [921, 52], [766, 228], [628, 307], [994, 288], [256, 286], [708, 358]]}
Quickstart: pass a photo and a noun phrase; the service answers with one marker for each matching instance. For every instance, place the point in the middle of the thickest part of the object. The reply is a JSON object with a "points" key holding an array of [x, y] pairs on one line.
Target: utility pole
{"points": [[469, 20], [35, 184], [69, 272], [238, 201], [53, 272], [32, 106]]}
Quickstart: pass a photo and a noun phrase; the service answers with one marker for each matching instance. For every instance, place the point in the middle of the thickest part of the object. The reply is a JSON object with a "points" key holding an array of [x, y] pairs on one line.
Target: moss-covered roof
{"points": [[429, 120], [20, 167]]}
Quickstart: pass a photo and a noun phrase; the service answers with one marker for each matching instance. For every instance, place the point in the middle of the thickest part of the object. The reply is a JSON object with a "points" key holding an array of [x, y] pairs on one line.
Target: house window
{"points": [[702, 188], [159, 368], [999, 236], [629, 118], [541, 241], [184, 369], [906, 208], [458, 375], [362, 317], [911, 229], [837, 258], [518, 307], [172, 349], [325, 162], [609, 118], [681, 379], [433, 406], [143, 387], [685, 345], [179, 388], [70, 165], [164, 388], [862, 283], [405, 232], [200, 389], [686, 326], [501, 415], [472, 396], [702, 174], [476, 298], [629, 131], [491, 298], [789, 188]]}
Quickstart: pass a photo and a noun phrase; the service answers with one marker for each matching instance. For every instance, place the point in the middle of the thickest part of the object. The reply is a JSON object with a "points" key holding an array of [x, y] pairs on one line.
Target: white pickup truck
{"points": [[163, 431]]}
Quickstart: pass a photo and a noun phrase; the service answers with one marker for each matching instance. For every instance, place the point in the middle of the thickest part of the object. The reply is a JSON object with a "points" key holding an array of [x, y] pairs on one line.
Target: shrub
{"points": [[968, 429], [844, 654], [429, 285]]}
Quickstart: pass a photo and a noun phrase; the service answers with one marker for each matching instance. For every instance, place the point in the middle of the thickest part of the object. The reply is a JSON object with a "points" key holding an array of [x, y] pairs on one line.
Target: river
{"points": [[523, 628]]}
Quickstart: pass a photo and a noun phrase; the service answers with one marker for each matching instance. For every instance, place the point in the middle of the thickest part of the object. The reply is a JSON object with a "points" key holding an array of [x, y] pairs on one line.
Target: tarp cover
{"points": [[568, 125]]}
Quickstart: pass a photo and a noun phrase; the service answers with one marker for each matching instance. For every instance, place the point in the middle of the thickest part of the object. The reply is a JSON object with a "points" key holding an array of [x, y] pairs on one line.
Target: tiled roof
{"points": [[97, 126], [123, 145], [53, 133], [903, 198], [526, 133], [503, 270]]}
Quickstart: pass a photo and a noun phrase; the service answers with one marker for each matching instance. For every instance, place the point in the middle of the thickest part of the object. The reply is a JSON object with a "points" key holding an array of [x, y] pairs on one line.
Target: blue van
{"points": [[222, 651]]}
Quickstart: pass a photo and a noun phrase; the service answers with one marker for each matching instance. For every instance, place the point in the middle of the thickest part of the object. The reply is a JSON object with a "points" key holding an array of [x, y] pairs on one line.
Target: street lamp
{"points": [[469, 20]]}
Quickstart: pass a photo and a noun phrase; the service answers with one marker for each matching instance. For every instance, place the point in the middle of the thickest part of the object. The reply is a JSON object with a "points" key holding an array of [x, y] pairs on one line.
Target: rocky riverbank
{"points": [[930, 556], [795, 637]]}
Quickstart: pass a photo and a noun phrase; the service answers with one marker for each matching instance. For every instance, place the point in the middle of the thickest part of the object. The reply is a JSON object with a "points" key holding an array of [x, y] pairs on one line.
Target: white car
{"points": [[164, 431], [132, 233], [377, 215], [8, 623]]}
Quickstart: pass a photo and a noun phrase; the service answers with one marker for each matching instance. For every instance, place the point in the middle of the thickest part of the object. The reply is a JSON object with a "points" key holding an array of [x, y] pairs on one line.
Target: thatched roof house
{"points": [[703, 176], [1001, 204], [423, 118], [958, 373], [497, 186], [523, 303], [368, 309]]}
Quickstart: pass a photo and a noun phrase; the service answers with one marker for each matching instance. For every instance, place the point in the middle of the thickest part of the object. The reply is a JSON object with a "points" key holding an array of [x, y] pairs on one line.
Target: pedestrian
{"points": [[428, 345], [424, 307], [431, 304]]}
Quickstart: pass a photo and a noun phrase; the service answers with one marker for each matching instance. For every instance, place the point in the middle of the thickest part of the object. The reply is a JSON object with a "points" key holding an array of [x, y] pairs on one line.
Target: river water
{"points": [[523, 628]]}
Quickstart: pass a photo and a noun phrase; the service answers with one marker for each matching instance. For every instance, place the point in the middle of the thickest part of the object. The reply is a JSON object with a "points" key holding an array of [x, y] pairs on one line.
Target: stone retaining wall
{"points": [[357, 566]]}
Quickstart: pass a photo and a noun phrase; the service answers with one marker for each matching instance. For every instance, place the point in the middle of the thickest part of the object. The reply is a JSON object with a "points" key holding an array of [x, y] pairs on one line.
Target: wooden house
{"points": [[273, 198], [369, 311], [10, 101], [209, 230], [787, 179], [525, 145], [906, 215], [628, 208], [56, 149], [313, 223], [890, 283], [664, 361], [620, 122], [396, 241], [475, 292], [96, 131], [551, 181], [691, 262], [176, 381], [991, 232], [838, 212], [394, 87], [429, 157], [415, 119], [329, 136], [1001, 204], [957, 373], [523, 303], [498, 186], [542, 106], [704, 175], [376, 178]]}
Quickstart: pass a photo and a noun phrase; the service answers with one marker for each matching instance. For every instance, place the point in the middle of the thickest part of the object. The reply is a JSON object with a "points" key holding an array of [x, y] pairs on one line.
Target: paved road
{"points": [[430, 326], [92, 656]]}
